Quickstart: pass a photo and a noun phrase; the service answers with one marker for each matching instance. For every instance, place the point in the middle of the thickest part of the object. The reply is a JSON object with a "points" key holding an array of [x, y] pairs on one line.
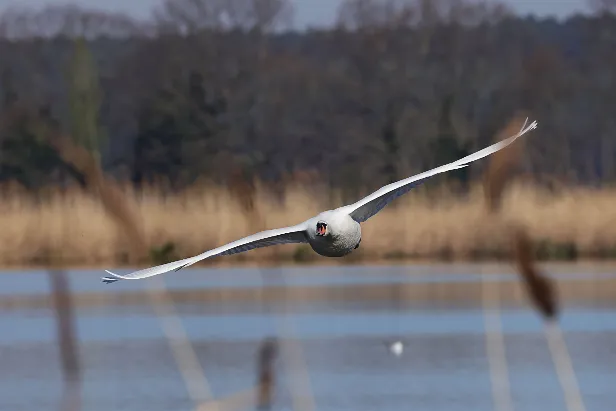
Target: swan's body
{"points": [[333, 233], [342, 237]]}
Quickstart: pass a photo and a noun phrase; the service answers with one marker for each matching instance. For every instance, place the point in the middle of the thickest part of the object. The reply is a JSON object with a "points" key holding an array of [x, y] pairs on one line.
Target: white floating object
{"points": [[396, 348]]}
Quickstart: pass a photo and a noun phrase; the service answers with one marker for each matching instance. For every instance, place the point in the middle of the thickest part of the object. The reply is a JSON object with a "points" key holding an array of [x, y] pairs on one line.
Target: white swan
{"points": [[332, 233]]}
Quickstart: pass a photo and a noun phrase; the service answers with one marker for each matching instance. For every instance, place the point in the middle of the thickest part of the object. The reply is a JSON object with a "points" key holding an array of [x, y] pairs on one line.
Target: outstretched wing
{"points": [[375, 202], [285, 235]]}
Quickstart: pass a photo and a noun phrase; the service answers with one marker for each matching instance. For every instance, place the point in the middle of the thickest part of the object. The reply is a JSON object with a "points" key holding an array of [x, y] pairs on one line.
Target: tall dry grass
{"points": [[423, 224]]}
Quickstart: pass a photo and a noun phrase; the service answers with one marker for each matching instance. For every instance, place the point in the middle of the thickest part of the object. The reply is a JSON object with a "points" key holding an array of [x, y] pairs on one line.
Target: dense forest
{"points": [[207, 88]]}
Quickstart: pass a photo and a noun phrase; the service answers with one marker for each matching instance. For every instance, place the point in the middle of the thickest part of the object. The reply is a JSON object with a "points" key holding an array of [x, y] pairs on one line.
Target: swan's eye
{"points": [[321, 228]]}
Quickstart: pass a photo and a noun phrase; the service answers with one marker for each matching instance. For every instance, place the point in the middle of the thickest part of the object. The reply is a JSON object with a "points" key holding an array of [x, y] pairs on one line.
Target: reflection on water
{"points": [[128, 365]]}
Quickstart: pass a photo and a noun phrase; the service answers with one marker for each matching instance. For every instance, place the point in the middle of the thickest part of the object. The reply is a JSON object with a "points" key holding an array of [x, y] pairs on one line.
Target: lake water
{"points": [[128, 364]]}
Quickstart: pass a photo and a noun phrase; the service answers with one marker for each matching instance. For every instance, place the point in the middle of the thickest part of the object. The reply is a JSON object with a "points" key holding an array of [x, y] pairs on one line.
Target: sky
{"points": [[307, 12]]}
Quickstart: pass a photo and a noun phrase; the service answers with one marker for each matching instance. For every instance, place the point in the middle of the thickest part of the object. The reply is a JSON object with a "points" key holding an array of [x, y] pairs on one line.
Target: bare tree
{"points": [[472, 12], [363, 14], [188, 16], [355, 14], [66, 20], [191, 16], [602, 6], [263, 15]]}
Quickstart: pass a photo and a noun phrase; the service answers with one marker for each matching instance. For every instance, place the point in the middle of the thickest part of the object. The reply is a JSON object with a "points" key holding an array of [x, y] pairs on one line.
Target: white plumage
{"points": [[332, 233]]}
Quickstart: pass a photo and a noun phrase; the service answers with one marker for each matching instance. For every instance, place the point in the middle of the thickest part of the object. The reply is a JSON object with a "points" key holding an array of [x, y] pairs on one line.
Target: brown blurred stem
{"points": [[541, 289], [66, 339], [242, 187], [265, 370], [113, 200], [502, 164], [500, 171]]}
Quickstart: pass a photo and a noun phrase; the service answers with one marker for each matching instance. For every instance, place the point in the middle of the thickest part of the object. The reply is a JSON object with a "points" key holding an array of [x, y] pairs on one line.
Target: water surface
{"points": [[128, 364]]}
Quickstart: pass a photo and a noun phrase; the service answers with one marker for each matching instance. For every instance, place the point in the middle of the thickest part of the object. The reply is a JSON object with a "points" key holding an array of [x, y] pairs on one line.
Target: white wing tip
{"points": [[525, 129], [109, 280]]}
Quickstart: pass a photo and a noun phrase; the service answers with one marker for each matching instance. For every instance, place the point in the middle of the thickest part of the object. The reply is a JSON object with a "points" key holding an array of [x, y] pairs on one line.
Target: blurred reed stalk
{"points": [[243, 189], [293, 356], [500, 172], [81, 150], [58, 277], [65, 328], [118, 208], [61, 300], [265, 374], [260, 397], [67, 342], [540, 289], [114, 202]]}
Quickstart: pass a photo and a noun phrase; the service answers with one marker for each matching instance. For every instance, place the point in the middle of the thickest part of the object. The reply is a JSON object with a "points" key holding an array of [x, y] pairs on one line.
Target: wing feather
{"points": [[295, 234], [375, 202]]}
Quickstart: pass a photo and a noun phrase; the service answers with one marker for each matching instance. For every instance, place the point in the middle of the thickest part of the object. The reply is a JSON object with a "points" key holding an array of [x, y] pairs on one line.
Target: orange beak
{"points": [[321, 229]]}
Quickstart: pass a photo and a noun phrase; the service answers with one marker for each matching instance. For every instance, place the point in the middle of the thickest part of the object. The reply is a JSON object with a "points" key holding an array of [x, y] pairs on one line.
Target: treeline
{"points": [[211, 88]]}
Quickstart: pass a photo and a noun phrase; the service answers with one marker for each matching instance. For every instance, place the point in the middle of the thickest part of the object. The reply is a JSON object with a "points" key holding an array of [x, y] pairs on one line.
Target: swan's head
{"points": [[331, 224], [321, 228]]}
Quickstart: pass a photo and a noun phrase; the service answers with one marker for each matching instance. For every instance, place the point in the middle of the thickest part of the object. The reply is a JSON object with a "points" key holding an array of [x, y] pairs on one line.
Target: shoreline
{"points": [[256, 264], [269, 264], [507, 293]]}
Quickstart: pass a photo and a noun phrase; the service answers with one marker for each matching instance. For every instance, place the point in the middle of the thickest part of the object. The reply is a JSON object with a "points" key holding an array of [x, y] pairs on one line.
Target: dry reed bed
{"points": [[423, 224]]}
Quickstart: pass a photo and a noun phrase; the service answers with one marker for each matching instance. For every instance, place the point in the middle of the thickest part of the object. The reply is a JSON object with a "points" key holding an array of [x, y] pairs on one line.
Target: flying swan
{"points": [[333, 233]]}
